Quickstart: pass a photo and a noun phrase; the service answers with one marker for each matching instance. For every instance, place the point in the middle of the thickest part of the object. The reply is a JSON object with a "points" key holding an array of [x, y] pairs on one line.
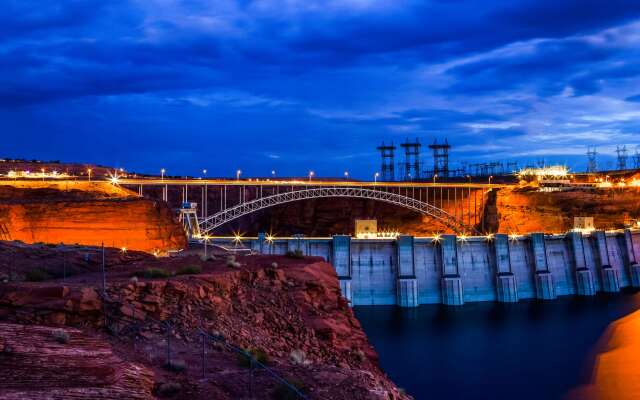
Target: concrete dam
{"points": [[408, 271]]}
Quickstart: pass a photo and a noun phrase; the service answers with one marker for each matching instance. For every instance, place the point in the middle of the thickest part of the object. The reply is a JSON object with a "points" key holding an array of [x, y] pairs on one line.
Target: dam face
{"points": [[409, 271]]}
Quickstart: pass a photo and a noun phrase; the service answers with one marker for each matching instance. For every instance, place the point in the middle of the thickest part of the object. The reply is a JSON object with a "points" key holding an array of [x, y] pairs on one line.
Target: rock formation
{"points": [[289, 309], [89, 216]]}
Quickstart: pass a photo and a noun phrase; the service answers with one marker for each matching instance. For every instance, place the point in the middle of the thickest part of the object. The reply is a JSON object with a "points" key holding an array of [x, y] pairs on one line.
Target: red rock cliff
{"points": [[290, 309], [90, 217]]}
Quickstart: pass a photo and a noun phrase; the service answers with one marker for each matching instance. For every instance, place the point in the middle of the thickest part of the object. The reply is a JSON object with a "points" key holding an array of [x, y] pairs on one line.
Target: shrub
{"points": [[152, 273], [189, 270], [297, 253], [284, 392], [175, 366], [37, 275], [258, 354], [169, 389], [232, 263], [299, 357], [359, 355], [60, 336]]}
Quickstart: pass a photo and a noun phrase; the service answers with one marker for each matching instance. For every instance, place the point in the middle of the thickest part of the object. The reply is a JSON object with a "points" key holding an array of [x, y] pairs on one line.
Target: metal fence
{"points": [[118, 325]]}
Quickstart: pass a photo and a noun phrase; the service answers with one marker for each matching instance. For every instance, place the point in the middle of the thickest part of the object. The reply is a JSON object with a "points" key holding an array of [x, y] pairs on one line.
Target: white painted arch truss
{"points": [[208, 224]]}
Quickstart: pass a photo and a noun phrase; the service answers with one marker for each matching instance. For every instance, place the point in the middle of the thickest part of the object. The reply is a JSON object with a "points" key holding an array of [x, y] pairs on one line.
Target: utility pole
{"points": [[622, 157], [592, 164]]}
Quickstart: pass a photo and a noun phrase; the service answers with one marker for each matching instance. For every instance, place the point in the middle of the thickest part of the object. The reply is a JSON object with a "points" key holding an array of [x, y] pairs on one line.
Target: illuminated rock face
{"points": [[530, 211], [134, 223]]}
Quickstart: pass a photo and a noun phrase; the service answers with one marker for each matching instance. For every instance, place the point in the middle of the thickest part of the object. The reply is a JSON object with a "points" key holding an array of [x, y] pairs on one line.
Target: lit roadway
{"points": [[296, 182]]}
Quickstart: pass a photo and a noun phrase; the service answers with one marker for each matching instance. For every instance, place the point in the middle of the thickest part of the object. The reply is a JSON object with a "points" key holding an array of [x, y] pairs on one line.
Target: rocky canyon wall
{"points": [[89, 217], [527, 210]]}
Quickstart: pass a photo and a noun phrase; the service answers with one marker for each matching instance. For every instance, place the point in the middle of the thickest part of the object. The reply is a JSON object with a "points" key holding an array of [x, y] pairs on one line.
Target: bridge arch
{"points": [[220, 218]]}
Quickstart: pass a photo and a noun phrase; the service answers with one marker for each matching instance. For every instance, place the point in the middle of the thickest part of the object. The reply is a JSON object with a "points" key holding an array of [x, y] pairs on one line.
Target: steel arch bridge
{"points": [[207, 225]]}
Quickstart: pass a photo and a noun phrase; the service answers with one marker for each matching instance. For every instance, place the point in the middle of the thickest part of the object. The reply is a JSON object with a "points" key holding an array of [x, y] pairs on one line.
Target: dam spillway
{"points": [[408, 271]]}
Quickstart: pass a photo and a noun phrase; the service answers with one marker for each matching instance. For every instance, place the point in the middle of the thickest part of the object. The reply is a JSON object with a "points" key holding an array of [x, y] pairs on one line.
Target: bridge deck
{"points": [[271, 182]]}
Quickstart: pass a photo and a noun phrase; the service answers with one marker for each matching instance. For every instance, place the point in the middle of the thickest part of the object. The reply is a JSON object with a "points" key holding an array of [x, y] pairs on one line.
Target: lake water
{"points": [[528, 350]]}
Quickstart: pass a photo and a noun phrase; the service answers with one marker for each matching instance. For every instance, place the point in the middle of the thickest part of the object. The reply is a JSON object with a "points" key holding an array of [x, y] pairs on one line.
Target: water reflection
{"points": [[528, 350]]}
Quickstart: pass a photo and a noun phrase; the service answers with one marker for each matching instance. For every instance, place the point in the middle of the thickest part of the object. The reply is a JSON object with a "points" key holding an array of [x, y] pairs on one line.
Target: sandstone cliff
{"points": [[45, 363], [289, 309], [93, 215], [527, 210]]}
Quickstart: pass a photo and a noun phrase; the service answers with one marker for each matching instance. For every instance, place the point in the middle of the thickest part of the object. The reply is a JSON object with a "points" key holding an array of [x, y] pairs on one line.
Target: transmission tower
{"points": [[592, 164], [387, 154], [636, 158], [622, 157], [411, 159], [440, 158]]}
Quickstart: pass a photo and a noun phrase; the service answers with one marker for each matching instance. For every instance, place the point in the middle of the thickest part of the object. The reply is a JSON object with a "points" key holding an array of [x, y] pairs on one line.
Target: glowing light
{"points": [[270, 238], [605, 184], [489, 237], [37, 175], [463, 237], [237, 237], [114, 178], [436, 238], [554, 171], [123, 250], [514, 236]]}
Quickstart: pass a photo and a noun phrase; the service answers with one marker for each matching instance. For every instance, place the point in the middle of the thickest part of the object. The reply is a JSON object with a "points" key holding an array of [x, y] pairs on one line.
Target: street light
{"points": [[490, 177], [204, 172], [273, 173], [375, 177], [346, 174], [89, 172], [311, 174], [434, 178], [42, 174], [238, 172], [469, 177], [162, 171]]}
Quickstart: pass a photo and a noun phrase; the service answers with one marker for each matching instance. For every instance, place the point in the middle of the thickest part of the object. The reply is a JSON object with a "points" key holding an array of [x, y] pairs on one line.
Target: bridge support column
{"points": [[341, 260], [545, 288], [260, 245], [407, 284], [451, 285], [584, 279], [634, 268], [610, 281], [506, 287]]}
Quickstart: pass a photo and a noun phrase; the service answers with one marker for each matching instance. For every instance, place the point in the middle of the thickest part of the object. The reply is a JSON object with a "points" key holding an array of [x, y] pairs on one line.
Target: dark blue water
{"points": [[529, 350]]}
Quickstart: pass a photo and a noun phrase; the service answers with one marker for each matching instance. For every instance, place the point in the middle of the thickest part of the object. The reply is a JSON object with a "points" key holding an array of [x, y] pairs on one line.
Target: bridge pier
{"points": [[506, 287], [585, 285], [634, 268], [610, 281], [341, 260], [451, 283], [262, 238], [545, 288], [407, 284]]}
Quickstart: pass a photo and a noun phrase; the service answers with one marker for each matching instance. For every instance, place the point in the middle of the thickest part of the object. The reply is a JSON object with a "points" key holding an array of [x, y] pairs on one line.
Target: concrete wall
{"points": [[452, 270]]}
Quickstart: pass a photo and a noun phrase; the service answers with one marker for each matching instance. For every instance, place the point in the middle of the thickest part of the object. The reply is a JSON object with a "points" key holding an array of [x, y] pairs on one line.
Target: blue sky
{"points": [[308, 85]]}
